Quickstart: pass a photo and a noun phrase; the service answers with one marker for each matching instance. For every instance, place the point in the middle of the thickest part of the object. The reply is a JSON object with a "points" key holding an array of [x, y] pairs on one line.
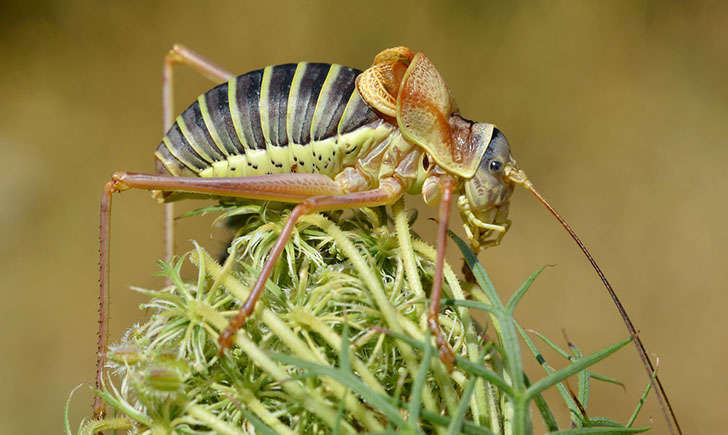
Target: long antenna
{"points": [[519, 177]]}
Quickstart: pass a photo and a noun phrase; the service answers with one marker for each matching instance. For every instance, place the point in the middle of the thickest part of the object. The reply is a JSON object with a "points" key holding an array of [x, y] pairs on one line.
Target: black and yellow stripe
{"points": [[305, 117]]}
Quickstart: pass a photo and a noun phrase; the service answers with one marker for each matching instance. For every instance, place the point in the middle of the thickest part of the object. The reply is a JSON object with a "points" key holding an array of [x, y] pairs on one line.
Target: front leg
{"points": [[447, 185]]}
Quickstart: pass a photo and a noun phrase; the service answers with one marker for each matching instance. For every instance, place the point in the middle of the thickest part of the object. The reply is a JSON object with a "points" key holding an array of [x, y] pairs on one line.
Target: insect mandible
{"points": [[329, 137]]}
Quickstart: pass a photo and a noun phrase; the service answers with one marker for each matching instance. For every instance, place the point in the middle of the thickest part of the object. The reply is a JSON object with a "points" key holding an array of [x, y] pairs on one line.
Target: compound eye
{"points": [[495, 166]]}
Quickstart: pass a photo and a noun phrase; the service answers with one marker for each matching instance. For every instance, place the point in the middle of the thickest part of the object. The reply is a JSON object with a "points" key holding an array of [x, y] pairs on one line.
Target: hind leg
{"points": [[178, 55], [388, 192], [292, 188]]}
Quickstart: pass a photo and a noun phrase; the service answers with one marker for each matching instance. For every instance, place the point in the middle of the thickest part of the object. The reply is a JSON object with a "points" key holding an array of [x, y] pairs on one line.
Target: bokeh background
{"points": [[617, 110]]}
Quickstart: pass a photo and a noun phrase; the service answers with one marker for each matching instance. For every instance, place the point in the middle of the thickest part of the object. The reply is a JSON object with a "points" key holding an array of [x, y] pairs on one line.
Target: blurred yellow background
{"points": [[617, 110]]}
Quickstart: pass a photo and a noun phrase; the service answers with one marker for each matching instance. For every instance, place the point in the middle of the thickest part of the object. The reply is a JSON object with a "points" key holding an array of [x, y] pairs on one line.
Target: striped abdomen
{"points": [[305, 118]]}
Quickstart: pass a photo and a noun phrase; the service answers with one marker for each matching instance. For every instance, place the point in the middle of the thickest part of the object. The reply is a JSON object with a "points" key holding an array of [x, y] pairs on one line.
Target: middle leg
{"points": [[389, 191], [447, 185]]}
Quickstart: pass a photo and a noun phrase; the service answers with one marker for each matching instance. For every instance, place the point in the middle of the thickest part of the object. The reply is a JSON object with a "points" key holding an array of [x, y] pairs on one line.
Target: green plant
{"points": [[338, 344]]}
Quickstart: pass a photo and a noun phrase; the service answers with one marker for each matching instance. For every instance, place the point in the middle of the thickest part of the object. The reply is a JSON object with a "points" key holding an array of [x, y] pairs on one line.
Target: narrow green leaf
{"points": [[258, 424], [603, 378], [377, 401], [642, 399], [574, 349], [108, 424], [509, 340], [203, 211], [456, 424], [172, 269], [583, 389], [415, 403], [518, 295], [603, 421], [583, 376], [344, 361], [465, 364], [543, 408], [66, 420], [481, 276], [601, 430], [508, 335], [237, 211], [468, 427], [472, 304], [128, 411], [340, 413], [575, 412], [573, 368], [551, 344]]}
